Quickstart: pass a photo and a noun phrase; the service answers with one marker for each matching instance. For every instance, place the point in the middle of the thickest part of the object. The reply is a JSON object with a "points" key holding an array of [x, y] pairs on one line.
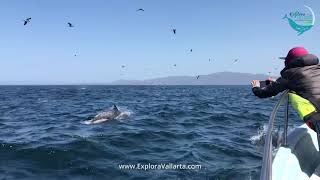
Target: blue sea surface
{"points": [[42, 134]]}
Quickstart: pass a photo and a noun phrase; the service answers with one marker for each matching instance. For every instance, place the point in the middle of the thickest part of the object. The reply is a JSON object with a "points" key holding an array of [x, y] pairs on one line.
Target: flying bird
{"points": [[174, 65], [174, 31], [236, 60], [70, 25], [190, 50], [26, 21], [198, 76], [123, 66], [140, 9]]}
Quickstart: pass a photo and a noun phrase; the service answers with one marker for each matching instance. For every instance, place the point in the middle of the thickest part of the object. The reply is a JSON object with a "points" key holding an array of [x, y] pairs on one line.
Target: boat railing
{"points": [[266, 170]]}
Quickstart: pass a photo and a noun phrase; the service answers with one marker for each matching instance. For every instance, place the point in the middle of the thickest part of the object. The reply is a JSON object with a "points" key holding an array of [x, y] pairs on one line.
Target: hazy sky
{"points": [[110, 33]]}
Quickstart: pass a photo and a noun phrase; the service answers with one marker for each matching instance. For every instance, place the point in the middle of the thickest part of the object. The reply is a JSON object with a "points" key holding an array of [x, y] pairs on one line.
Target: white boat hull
{"points": [[301, 159]]}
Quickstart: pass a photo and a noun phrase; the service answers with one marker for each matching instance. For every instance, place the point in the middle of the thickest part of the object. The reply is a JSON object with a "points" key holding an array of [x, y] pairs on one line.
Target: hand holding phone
{"points": [[264, 84], [255, 83]]}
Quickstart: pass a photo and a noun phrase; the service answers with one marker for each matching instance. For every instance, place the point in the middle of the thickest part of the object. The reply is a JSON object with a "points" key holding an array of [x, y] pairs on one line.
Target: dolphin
{"points": [[299, 28], [105, 116]]}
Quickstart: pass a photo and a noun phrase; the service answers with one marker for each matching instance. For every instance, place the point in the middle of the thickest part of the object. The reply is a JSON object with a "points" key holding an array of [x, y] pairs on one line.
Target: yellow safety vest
{"points": [[301, 105]]}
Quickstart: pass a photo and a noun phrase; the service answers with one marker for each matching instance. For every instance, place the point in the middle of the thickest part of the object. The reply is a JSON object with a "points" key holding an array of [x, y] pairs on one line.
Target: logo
{"points": [[301, 21]]}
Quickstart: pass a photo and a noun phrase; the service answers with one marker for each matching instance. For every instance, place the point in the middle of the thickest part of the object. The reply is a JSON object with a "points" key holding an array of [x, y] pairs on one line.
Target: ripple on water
{"points": [[42, 135]]}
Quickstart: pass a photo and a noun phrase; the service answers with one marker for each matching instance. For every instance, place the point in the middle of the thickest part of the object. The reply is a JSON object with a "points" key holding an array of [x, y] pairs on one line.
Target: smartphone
{"points": [[264, 84]]}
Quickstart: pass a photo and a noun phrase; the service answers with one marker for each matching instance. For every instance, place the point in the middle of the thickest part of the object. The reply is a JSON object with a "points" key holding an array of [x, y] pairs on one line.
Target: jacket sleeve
{"points": [[272, 89]]}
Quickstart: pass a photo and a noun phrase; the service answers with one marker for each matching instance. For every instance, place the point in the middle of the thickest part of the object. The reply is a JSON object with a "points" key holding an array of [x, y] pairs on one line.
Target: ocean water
{"points": [[220, 128]]}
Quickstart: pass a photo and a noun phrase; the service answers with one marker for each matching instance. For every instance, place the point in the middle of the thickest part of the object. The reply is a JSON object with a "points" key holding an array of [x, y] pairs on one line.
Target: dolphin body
{"points": [[105, 116], [299, 28]]}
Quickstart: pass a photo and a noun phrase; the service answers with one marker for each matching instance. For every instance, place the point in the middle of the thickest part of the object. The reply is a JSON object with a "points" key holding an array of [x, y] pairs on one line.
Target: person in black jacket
{"points": [[301, 75]]}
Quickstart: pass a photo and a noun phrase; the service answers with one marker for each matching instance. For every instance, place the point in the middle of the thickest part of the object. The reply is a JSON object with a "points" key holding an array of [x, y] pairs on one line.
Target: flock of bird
{"points": [[70, 25], [26, 21]]}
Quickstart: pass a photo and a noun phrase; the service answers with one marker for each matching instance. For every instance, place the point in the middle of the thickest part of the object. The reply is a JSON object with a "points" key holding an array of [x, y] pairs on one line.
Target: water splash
{"points": [[124, 115], [259, 139]]}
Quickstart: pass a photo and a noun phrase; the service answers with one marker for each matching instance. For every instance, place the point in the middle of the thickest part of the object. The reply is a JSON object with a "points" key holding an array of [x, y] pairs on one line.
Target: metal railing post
{"points": [[286, 116], [266, 170]]}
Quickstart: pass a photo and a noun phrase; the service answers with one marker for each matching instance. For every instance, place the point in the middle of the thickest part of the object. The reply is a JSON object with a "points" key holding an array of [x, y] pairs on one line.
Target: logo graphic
{"points": [[301, 21]]}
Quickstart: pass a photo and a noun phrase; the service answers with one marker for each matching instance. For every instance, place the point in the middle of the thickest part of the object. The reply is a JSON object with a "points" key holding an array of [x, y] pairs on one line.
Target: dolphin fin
{"points": [[115, 107]]}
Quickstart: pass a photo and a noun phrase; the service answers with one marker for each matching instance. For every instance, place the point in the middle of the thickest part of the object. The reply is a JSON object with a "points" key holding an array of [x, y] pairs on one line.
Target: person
{"points": [[301, 76]]}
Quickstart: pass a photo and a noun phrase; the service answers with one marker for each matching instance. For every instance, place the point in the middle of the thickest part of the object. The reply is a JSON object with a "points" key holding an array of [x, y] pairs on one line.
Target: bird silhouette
{"points": [[70, 25], [174, 65], [26, 21], [236, 60], [198, 76], [174, 31], [190, 50], [123, 66], [140, 9]]}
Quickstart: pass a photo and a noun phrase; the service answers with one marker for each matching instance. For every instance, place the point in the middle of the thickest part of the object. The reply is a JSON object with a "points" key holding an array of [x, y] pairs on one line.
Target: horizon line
{"points": [[34, 83]]}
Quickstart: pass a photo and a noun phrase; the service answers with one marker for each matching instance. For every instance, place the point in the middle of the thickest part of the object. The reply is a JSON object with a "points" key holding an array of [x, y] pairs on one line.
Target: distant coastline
{"points": [[219, 78]]}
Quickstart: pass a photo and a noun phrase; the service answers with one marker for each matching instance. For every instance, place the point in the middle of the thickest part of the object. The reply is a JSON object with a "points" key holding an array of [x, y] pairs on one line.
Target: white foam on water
{"points": [[259, 139], [124, 115], [256, 139], [277, 136], [42, 100]]}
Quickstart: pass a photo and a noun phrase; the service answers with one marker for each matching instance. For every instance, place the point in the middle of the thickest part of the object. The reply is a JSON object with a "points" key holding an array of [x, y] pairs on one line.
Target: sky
{"points": [[111, 33]]}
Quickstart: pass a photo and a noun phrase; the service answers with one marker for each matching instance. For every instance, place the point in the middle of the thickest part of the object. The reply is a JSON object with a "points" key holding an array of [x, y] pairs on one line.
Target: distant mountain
{"points": [[221, 78]]}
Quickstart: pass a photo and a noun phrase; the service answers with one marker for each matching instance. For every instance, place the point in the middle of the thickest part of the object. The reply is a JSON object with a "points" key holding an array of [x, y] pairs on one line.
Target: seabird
{"points": [[123, 66], [198, 76], [174, 65], [236, 60], [190, 50], [70, 25], [26, 21], [174, 31], [140, 9]]}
